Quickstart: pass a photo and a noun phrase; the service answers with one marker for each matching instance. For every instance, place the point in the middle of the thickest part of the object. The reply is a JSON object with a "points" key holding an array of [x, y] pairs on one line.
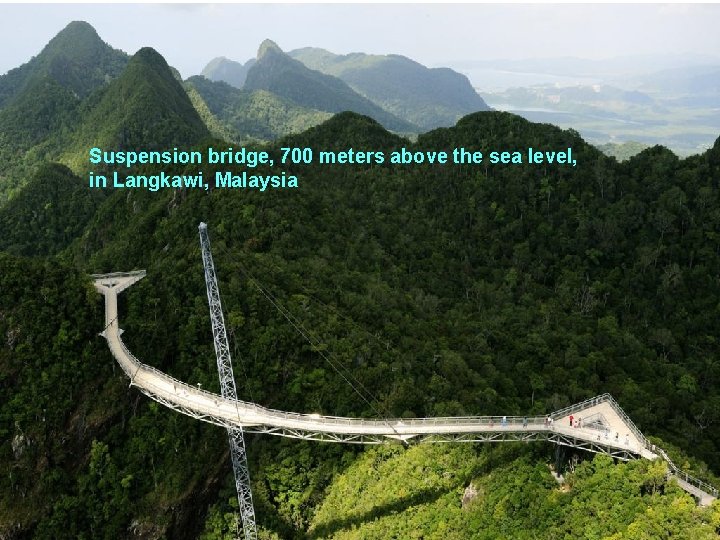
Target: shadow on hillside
{"points": [[331, 527]]}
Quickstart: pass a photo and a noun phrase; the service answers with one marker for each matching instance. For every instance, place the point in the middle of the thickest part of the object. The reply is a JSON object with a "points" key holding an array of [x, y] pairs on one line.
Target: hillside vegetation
{"points": [[443, 289], [286, 77], [428, 98], [241, 115]]}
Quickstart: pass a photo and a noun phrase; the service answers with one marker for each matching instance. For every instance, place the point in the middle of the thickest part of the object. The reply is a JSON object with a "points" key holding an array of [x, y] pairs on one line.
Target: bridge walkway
{"points": [[605, 428]]}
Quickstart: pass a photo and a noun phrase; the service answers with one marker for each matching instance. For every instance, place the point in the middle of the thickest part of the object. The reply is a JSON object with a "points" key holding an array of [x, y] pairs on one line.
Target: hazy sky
{"points": [[189, 35]]}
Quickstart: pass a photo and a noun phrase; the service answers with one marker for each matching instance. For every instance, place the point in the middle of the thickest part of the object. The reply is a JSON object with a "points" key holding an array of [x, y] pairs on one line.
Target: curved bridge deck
{"points": [[605, 428]]}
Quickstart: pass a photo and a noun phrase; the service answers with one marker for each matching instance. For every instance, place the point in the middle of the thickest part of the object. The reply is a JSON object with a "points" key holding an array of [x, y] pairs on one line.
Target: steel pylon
{"points": [[228, 389]]}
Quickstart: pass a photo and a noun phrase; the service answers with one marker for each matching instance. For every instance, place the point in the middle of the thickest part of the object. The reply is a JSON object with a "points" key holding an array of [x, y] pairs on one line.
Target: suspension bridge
{"points": [[596, 425]]}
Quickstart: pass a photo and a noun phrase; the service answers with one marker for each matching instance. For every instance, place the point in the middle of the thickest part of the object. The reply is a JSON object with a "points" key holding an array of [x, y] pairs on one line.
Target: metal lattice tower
{"points": [[228, 390]]}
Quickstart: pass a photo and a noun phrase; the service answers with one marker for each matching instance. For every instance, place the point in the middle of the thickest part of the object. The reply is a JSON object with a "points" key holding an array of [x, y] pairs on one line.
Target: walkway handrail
{"points": [[640, 437], [692, 480], [213, 407], [481, 420], [602, 398], [579, 406]]}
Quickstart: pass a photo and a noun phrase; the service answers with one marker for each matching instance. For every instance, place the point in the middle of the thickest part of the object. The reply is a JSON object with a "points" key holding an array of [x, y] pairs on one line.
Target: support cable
{"points": [[367, 396], [387, 344]]}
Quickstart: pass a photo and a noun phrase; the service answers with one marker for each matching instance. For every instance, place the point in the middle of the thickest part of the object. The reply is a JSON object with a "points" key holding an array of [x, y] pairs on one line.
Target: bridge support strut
{"points": [[228, 389]]}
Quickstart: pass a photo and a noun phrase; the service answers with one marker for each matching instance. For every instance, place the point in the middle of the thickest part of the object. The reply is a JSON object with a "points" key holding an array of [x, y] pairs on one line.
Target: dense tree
{"points": [[441, 289]]}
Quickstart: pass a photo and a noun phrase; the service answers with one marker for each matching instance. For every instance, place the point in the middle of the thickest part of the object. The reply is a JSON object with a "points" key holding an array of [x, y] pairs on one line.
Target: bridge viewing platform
{"points": [[598, 425]]}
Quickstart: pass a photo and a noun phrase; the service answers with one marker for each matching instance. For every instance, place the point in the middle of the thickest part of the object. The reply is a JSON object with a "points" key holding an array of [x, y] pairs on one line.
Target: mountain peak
{"points": [[77, 39], [347, 129], [77, 29], [144, 107], [148, 55], [426, 97], [76, 58], [284, 76], [268, 46]]}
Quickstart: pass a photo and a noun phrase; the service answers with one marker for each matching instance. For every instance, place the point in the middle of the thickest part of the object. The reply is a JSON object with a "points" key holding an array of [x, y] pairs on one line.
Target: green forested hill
{"points": [[390, 493], [80, 462], [40, 100], [143, 107], [240, 115], [49, 213], [428, 98], [276, 72], [446, 290], [45, 109], [76, 58]]}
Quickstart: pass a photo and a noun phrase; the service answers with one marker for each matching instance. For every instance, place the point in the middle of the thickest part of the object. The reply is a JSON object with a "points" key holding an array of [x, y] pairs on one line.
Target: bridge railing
{"points": [[604, 398], [489, 421], [499, 421], [140, 366], [590, 402], [633, 428], [328, 419], [674, 470], [535, 423], [692, 480], [132, 273]]}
